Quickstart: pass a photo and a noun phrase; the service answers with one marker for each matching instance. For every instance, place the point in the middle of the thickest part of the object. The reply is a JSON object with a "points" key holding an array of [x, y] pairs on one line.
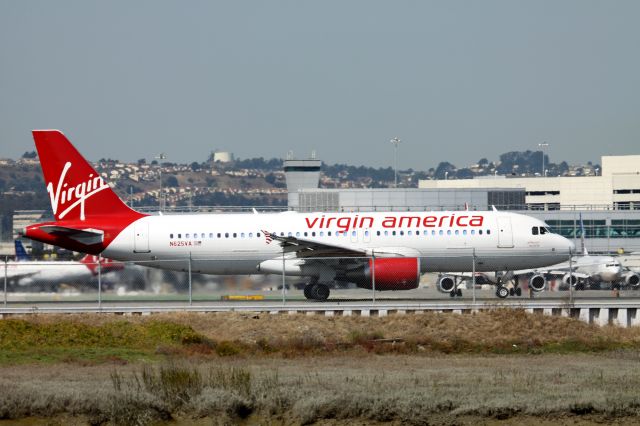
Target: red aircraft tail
{"points": [[88, 213]]}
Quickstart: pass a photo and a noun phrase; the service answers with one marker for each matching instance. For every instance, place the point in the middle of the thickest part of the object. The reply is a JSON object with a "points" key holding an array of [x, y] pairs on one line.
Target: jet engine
{"points": [[446, 283], [631, 279], [570, 279], [537, 282], [398, 273]]}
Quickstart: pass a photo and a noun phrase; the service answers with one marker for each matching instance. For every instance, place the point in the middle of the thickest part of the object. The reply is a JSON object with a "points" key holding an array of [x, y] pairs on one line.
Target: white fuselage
{"points": [[237, 244], [25, 273], [598, 268]]}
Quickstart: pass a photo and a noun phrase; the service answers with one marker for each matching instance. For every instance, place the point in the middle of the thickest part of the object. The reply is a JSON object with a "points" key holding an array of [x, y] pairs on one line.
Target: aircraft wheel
{"points": [[321, 292], [459, 292], [308, 291], [512, 292], [518, 291], [452, 293], [502, 292]]}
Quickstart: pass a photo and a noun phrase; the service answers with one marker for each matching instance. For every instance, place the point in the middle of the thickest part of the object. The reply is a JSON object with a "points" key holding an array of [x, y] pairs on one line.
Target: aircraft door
{"points": [[141, 237], [505, 233]]}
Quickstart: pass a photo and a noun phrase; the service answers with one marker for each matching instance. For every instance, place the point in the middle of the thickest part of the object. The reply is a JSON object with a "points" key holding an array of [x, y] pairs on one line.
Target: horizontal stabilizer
{"points": [[83, 236]]}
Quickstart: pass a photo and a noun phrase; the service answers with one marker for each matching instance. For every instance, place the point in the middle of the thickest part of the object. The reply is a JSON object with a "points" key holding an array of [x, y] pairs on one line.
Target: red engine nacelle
{"points": [[390, 274]]}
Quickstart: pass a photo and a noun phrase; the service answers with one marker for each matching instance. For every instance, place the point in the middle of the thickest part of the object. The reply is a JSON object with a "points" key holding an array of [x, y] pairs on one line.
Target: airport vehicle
{"points": [[385, 251], [47, 275]]}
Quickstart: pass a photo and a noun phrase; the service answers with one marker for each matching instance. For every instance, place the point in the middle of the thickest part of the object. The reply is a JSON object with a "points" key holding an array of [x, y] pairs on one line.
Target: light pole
{"points": [[160, 157], [542, 146], [395, 141]]}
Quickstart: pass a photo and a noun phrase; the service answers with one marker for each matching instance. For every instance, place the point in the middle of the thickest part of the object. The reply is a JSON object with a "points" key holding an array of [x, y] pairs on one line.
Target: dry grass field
{"points": [[499, 367]]}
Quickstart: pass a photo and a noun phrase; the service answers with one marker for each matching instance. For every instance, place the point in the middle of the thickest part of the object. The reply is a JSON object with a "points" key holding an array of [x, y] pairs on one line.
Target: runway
{"points": [[595, 306]]}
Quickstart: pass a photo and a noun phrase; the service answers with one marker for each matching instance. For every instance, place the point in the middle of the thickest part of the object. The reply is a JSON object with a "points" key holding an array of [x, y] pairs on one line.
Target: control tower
{"points": [[300, 174]]}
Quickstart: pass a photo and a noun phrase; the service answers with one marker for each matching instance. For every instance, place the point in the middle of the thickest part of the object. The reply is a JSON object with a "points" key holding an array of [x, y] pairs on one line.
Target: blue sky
{"points": [[455, 80]]}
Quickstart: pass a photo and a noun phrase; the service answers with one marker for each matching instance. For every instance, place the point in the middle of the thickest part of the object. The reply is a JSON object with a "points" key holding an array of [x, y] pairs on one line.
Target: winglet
{"points": [[493, 208], [584, 247]]}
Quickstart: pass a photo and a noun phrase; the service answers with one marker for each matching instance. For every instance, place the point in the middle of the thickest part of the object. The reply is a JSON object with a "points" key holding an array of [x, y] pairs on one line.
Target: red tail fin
{"points": [[106, 265], [89, 215], [76, 190]]}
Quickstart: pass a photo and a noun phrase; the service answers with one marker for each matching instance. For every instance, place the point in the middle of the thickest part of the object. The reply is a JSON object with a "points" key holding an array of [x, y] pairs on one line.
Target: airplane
{"points": [[385, 251], [34, 274], [588, 271], [584, 271]]}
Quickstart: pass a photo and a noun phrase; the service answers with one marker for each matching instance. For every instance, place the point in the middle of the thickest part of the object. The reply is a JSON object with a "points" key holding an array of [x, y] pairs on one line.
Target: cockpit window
{"points": [[543, 230], [534, 230]]}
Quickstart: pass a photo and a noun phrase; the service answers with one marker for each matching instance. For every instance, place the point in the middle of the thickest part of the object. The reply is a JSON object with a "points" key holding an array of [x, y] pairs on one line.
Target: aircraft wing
{"points": [[306, 248], [554, 271]]}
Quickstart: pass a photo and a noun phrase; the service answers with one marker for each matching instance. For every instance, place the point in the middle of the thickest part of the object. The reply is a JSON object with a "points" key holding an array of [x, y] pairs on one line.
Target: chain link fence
{"points": [[293, 280]]}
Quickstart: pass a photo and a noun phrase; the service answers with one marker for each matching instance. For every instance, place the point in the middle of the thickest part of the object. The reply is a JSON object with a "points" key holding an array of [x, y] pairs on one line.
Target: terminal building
{"points": [[609, 203]]}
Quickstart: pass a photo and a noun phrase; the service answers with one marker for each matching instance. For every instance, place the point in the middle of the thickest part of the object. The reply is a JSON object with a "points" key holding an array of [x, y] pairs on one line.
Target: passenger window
{"points": [[179, 235], [426, 232], [305, 234], [250, 234], [534, 230], [282, 234], [297, 234], [366, 233], [202, 235], [235, 235], [488, 231], [171, 236], [353, 233], [219, 235], [409, 233], [211, 235], [401, 232], [186, 235], [242, 235], [393, 233], [441, 232], [328, 233], [464, 232], [457, 232], [479, 231], [448, 231], [313, 234], [322, 233], [258, 234], [433, 232], [473, 232]]}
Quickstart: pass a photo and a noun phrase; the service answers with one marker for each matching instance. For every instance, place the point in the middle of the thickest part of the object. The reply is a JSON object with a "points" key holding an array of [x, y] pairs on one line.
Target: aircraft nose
{"points": [[570, 245]]}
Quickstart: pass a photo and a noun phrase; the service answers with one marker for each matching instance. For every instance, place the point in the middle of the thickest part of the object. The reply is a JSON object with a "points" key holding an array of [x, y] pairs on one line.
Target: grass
{"points": [[105, 338], [24, 341], [454, 389]]}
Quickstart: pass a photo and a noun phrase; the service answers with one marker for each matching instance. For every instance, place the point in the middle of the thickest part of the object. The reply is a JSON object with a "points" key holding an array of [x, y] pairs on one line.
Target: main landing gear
{"points": [[455, 292], [502, 292], [317, 291]]}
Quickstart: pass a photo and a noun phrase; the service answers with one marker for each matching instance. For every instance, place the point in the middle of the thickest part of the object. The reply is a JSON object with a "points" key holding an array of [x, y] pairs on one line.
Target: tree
{"points": [[31, 154], [195, 166], [444, 167], [170, 181]]}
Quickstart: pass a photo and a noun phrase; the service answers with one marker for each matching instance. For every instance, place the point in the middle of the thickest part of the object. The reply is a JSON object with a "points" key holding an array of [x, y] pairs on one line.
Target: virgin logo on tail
{"points": [[64, 194]]}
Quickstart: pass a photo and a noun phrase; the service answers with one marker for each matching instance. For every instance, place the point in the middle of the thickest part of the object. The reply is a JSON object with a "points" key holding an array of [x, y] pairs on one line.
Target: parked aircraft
{"points": [[47, 275], [591, 270], [385, 250]]}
